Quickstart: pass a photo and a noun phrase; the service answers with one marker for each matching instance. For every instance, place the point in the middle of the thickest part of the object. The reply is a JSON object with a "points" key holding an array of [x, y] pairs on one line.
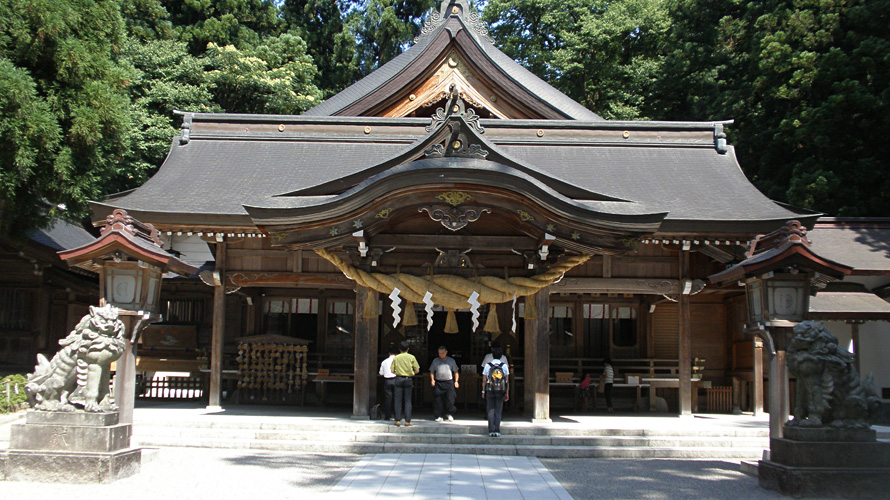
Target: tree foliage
{"points": [[65, 111]]}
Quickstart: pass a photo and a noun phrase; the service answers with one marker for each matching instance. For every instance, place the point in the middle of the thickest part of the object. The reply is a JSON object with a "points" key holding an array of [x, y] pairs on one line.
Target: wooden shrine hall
{"points": [[485, 205]]}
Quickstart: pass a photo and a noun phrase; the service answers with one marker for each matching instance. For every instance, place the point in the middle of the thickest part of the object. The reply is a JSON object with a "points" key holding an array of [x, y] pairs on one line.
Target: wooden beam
{"points": [[312, 280], [685, 341], [537, 350], [428, 242], [219, 329]]}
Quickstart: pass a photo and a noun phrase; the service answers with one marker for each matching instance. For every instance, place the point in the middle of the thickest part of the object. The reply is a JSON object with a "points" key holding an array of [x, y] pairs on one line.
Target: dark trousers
{"points": [[608, 393], [495, 407], [443, 396], [389, 384], [403, 391]]}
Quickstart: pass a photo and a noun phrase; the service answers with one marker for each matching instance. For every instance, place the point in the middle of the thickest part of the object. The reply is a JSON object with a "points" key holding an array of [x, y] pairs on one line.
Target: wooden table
{"points": [[638, 402], [670, 383], [320, 385]]}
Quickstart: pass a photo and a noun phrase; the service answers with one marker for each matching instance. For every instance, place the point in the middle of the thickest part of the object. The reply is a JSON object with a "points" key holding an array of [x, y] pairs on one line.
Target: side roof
{"points": [[455, 27], [862, 243]]}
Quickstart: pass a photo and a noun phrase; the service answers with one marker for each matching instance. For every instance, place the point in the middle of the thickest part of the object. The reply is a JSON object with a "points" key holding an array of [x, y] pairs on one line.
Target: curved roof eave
{"points": [[450, 170]]}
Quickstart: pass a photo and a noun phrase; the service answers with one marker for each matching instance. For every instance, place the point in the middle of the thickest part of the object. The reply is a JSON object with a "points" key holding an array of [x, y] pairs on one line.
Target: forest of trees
{"points": [[88, 87]]}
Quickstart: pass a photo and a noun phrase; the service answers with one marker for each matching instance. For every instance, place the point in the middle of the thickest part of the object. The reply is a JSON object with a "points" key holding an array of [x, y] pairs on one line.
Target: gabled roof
{"points": [[455, 29]]}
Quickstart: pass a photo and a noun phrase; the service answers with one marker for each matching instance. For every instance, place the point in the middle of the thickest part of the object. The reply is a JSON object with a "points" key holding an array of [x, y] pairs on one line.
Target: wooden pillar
{"points": [[219, 328], [758, 377], [365, 356], [685, 340], [537, 351], [854, 328]]}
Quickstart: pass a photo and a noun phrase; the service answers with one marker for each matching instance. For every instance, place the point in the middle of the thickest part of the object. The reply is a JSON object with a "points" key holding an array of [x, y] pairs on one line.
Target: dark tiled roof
{"points": [[863, 245], [210, 178], [62, 235]]}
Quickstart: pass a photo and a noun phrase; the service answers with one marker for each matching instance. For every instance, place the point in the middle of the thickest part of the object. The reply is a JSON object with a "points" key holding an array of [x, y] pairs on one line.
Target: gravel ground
{"points": [[594, 479], [197, 474]]}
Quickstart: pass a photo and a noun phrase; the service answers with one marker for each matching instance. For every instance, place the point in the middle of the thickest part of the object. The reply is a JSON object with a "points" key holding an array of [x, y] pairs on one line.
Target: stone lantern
{"points": [[777, 276], [130, 260], [57, 443], [828, 450]]}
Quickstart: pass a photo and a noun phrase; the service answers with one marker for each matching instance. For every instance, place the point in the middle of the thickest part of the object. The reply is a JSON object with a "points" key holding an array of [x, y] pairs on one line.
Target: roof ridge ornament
{"points": [[454, 8]]}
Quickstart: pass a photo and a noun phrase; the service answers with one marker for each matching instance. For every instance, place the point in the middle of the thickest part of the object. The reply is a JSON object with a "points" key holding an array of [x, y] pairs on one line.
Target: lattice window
{"points": [[15, 309], [184, 312]]}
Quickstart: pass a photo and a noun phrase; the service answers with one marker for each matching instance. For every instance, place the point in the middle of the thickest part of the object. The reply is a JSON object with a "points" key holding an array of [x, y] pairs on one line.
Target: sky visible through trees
{"points": [[88, 87]]}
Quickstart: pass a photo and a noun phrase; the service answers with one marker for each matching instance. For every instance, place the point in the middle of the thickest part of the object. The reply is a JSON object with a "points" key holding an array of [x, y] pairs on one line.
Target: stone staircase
{"points": [[459, 437]]}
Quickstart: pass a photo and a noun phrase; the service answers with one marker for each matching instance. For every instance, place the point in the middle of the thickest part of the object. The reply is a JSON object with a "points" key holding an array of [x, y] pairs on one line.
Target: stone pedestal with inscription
{"points": [[70, 447]]}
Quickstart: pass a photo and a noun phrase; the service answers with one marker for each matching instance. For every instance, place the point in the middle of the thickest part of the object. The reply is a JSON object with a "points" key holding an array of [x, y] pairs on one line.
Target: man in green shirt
{"points": [[405, 366]]}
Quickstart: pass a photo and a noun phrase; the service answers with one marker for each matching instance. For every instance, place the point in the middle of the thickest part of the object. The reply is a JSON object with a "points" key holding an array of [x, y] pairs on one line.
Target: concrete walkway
{"points": [[446, 477]]}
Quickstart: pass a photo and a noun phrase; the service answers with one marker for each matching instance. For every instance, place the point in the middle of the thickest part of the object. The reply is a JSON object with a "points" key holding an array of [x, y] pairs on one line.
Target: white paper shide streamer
{"points": [[428, 300], [474, 302], [396, 310], [514, 314]]}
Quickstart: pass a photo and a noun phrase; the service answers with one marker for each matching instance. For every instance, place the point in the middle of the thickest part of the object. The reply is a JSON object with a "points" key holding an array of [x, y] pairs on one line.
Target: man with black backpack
{"points": [[494, 390]]}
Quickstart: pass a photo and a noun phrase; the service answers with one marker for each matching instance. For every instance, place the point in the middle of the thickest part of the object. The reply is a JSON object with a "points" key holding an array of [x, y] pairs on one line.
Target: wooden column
{"points": [[537, 354], [219, 328], [365, 356], [758, 376], [685, 340]]}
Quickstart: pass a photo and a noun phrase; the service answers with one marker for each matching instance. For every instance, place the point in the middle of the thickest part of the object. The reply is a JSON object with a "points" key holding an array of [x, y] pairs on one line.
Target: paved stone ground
{"points": [[198, 473], [448, 477], [615, 479]]}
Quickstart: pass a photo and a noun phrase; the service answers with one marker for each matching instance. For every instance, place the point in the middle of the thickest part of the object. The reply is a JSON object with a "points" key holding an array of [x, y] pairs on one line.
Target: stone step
{"points": [[463, 428], [494, 446], [450, 439]]}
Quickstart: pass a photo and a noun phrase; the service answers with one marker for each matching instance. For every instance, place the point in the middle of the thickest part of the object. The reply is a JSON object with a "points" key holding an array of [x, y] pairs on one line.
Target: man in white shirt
{"points": [[389, 382], [489, 357]]}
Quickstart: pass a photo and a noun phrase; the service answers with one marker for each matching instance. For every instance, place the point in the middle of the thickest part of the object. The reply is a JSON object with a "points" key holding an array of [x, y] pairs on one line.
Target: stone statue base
{"points": [[70, 447], [826, 462]]}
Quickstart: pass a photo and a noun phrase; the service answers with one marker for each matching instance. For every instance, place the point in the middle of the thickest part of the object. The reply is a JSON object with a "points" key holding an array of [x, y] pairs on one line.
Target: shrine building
{"points": [[491, 205]]}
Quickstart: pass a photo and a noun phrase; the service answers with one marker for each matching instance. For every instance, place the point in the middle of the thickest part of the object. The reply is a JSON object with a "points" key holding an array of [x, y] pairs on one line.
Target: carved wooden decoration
{"points": [[454, 218]]}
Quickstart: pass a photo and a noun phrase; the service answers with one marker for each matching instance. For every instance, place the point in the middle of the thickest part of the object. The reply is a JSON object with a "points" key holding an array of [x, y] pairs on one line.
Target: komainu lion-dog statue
{"points": [[829, 391], [79, 373]]}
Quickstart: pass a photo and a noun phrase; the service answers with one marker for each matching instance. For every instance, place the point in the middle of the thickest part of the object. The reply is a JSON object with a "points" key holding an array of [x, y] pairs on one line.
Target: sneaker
{"points": [[492, 434], [398, 423], [450, 418], [497, 434], [440, 419], [408, 424]]}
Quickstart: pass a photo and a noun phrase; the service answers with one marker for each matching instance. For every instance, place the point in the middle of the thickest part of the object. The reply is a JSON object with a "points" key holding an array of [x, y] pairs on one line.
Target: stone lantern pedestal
{"points": [[70, 447], [827, 462]]}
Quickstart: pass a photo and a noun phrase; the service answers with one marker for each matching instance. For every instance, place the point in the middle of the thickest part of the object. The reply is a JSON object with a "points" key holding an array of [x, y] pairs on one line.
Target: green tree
{"points": [[321, 24], [808, 84], [242, 23], [273, 77], [165, 78], [383, 29], [604, 54], [65, 111]]}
